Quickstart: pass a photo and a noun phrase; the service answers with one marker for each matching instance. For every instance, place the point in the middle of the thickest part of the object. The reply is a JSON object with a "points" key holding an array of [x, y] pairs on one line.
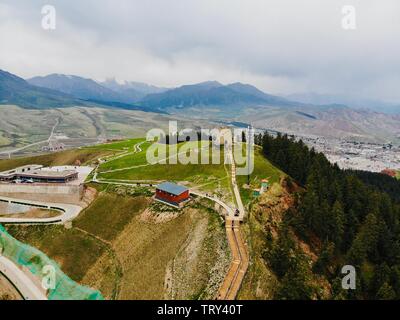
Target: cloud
{"points": [[282, 46]]}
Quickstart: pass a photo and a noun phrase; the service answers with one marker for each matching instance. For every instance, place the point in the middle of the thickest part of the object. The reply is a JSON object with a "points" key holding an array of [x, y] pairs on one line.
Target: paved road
{"points": [[68, 212], [24, 284]]}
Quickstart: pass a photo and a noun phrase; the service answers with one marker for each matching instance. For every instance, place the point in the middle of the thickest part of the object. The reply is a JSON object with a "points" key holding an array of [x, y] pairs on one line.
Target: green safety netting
{"points": [[33, 259]]}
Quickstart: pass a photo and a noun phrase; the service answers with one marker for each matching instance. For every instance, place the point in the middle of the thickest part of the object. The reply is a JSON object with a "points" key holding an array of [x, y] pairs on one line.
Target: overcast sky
{"points": [[281, 46]]}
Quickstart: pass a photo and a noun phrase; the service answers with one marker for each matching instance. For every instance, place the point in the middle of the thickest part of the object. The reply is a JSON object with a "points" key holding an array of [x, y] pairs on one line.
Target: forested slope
{"points": [[345, 217]]}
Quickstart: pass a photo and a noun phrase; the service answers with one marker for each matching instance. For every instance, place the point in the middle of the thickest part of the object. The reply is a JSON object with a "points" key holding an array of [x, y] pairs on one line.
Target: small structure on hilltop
{"points": [[172, 194], [264, 187]]}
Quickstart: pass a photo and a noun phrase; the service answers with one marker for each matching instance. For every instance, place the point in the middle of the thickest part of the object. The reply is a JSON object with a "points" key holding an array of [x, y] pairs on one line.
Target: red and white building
{"points": [[172, 194]]}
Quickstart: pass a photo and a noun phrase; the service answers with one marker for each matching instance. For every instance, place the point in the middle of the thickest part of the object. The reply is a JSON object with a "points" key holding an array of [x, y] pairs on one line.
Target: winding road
{"points": [[68, 212], [21, 281]]}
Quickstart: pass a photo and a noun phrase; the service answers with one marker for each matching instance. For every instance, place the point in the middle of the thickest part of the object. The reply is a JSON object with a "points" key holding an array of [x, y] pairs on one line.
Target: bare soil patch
{"points": [[7, 290]]}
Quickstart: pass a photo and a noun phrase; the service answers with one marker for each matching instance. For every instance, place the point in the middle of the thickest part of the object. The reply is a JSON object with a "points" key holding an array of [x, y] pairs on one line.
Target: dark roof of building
{"points": [[172, 188]]}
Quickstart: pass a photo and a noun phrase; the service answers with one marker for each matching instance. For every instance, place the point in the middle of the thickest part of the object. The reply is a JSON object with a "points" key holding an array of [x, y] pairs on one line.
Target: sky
{"points": [[280, 46]]}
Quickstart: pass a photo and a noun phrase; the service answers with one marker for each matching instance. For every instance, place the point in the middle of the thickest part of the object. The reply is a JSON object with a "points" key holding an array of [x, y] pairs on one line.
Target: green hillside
{"points": [[263, 170], [135, 167], [322, 219]]}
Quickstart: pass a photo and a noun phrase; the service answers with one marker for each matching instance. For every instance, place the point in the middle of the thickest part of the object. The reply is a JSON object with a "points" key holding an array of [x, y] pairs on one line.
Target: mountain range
{"points": [[212, 93], [88, 89], [61, 91], [207, 101], [58, 90]]}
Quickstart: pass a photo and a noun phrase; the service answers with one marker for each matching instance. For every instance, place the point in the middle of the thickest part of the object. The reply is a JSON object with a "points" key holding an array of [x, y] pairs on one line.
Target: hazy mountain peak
{"points": [[208, 84], [128, 87]]}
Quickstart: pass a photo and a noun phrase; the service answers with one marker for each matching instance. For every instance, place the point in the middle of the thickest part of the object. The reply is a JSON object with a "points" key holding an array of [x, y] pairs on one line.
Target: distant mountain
{"points": [[91, 91], [212, 93], [15, 90], [59, 91], [82, 88], [355, 103], [132, 90], [109, 92]]}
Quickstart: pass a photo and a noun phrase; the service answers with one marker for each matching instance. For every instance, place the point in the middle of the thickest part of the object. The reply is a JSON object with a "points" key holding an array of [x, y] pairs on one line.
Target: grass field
{"points": [[85, 155], [398, 175], [135, 167], [124, 145], [4, 141], [108, 215], [263, 169], [131, 159]]}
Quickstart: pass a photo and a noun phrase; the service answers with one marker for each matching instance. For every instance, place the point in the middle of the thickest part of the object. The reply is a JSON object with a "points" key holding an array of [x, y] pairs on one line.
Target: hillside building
{"points": [[172, 194]]}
